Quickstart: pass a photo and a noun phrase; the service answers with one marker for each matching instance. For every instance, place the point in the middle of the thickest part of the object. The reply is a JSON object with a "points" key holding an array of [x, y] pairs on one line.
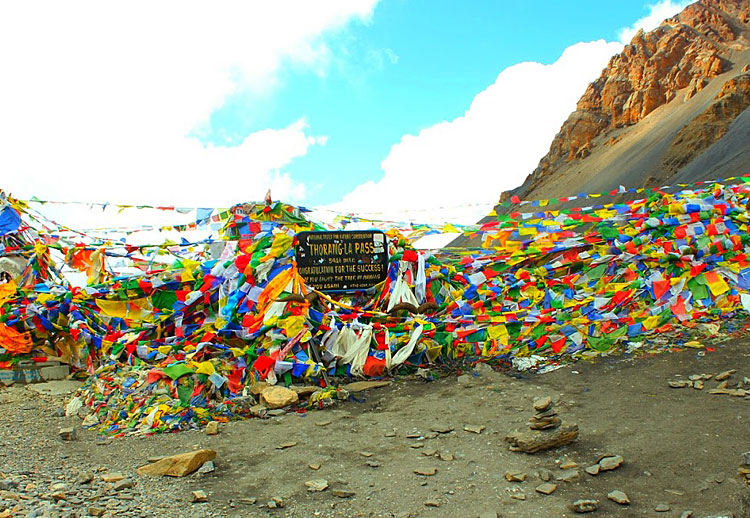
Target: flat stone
{"points": [[610, 463], [585, 505], [592, 470], [208, 467], [569, 475], [432, 503], [84, 477], [286, 445], [662, 508], [199, 496], [686, 514], [515, 476], [278, 397], [474, 428], [317, 485], [542, 404], [96, 511], [113, 477], [568, 464], [518, 496], [360, 386], [546, 489], [323, 423], [536, 441], [725, 375], [619, 497], [678, 383], [212, 428], [124, 484], [373, 463], [315, 466], [67, 434], [442, 428], [178, 465], [547, 423], [426, 472], [446, 456], [366, 453], [343, 493]]}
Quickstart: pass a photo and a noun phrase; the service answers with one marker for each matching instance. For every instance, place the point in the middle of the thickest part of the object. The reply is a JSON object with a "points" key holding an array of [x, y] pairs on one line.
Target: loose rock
{"points": [[124, 484], [619, 497], [178, 465], [67, 434], [662, 508], [199, 496], [533, 442], [84, 477], [212, 428], [515, 476], [585, 505], [278, 397], [568, 475], [546, 489], [317, 485], [725, 375], [542, 404], [593, 470], [113, 477], [610, 463]]}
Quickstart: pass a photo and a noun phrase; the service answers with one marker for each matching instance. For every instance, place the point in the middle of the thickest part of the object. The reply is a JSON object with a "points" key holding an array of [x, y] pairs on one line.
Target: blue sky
{"points": [[415, 63], [403, 104]]}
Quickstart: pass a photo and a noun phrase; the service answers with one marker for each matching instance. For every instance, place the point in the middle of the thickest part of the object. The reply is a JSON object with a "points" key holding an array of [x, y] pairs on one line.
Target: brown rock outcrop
{"points": [[709, 126], [684, 53]]}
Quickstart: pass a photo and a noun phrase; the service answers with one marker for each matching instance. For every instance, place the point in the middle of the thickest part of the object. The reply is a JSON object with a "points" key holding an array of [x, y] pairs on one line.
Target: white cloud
{"points": [[657, 13], [491, 148], [97, 98], [465, 164]]}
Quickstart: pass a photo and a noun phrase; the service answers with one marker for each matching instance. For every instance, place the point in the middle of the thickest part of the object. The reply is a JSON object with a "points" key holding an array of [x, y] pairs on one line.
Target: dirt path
{"points": [[681, 448]]}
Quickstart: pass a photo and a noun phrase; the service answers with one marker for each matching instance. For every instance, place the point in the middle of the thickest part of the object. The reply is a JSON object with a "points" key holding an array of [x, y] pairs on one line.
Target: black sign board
{"points": [[342, 260]]}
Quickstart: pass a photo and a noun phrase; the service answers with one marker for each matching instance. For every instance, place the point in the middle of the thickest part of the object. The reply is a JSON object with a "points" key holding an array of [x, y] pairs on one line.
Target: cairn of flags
{"points": [[182, 342]]}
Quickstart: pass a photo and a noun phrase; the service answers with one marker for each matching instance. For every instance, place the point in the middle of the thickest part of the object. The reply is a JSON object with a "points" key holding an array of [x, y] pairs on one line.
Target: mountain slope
{"points": [[672, 107]]}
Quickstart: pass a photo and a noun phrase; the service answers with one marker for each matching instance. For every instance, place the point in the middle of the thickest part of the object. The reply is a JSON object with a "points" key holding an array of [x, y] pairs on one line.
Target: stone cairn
{"points": [[547, 430], [545, 417]]}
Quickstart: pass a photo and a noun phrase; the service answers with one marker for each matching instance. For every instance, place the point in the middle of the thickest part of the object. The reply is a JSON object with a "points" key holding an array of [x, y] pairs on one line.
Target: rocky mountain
{"points": [[671, 107]]}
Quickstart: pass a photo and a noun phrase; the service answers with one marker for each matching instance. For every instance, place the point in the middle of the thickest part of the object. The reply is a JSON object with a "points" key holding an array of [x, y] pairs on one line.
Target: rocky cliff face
{"points": [[676, 61]]}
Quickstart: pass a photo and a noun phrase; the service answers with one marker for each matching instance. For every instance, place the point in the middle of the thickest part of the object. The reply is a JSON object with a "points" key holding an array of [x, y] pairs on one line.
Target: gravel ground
{"points": [[414, 448]]}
